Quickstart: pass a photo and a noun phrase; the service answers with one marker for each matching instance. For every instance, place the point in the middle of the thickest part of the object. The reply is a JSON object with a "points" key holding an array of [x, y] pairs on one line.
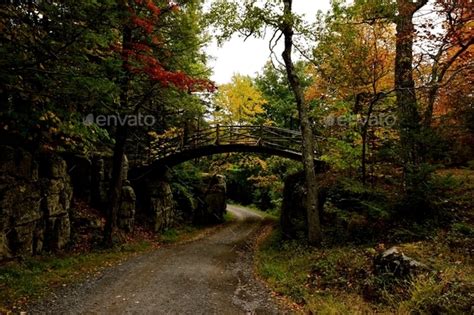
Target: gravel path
{"points": [[212, 275]]}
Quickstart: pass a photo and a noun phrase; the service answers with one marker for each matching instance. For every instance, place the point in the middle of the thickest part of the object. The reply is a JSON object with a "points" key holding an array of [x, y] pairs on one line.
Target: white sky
{"points": [[249, 57]]}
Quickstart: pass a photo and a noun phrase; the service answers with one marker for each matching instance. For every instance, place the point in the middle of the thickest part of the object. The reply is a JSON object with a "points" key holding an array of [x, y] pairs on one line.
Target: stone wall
{"points": [[91, 178], [36, 196], [126, 214], [35, 203], [204, 204], [162, 207], [155, 202], [212, 199]]}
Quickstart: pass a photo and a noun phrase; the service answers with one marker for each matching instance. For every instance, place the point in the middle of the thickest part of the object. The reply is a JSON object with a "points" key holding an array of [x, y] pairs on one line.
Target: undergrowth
{"points": [[339, 278]]}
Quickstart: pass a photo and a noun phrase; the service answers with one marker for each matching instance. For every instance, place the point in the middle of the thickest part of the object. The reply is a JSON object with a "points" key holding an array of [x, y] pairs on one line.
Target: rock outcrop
{"points": [[155, 204], [35, 203], [203, 202], [57, 194], [394, 262], [91, 178], [162, 205]]}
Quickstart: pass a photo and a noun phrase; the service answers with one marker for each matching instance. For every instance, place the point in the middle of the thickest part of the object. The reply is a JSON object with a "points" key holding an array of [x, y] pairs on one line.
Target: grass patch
{"points": [[313, 278], [229, 217], [272, 215]]}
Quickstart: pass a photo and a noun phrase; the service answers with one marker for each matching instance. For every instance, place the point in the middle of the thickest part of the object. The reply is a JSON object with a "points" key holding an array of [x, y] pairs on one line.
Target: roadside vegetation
{"points": [[339, 278]]}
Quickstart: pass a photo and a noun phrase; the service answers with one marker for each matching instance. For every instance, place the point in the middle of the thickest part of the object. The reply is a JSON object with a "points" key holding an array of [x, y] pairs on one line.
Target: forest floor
{"points": [[209, 275], [340, 279]]}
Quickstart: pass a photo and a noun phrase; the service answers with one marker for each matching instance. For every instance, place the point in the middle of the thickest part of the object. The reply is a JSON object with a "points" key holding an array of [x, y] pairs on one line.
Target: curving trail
{"points": [[212, 275]]}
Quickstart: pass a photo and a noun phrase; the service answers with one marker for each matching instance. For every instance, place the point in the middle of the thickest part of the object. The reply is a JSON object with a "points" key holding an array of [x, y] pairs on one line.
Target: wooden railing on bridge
{"points": [[219, 135]]}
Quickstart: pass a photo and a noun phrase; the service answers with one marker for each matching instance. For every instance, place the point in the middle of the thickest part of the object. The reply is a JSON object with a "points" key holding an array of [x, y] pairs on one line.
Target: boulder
{"points": [[394, 262]]}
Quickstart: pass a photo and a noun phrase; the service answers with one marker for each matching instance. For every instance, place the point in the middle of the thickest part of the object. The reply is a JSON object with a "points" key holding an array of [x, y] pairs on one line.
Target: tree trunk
{"points": [[115, 187], [314, 226], [365, 131], [409, 117], [121, 133]]}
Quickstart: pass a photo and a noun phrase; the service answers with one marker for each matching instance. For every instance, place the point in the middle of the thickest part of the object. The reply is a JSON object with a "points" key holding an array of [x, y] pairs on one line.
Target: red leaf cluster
{"points": [[146, 25], [140, 58], [153, 8]]}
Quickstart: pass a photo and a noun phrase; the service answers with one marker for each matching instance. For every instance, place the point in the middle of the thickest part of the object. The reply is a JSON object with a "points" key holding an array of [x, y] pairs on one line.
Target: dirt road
{"points": [[212, 275]]}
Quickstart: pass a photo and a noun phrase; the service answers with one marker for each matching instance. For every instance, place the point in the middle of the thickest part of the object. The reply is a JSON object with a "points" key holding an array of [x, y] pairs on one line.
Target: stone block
{"points": [[21, 203]]}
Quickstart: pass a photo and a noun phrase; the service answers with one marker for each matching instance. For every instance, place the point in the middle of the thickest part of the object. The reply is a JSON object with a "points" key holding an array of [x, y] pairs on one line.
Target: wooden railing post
{"points": [[218, 127], [260, 141]]}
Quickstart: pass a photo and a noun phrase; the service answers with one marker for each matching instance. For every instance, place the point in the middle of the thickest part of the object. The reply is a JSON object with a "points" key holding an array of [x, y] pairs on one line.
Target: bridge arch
{"points": [[169, 152]]}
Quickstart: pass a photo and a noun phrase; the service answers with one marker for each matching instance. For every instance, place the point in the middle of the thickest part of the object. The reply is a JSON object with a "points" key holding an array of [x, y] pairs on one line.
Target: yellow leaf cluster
{"points": [[239, 101]]}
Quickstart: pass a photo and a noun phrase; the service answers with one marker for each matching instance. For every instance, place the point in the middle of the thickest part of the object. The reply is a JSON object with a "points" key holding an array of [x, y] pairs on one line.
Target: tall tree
{"points": [[353, 64], [56, 65], [408, 113], [139, 51], [314, 225], [453, 56], [250, 19]]}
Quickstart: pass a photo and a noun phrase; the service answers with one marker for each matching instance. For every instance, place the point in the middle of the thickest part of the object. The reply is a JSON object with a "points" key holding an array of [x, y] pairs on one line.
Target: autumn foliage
{"points": [[139, 53]]}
